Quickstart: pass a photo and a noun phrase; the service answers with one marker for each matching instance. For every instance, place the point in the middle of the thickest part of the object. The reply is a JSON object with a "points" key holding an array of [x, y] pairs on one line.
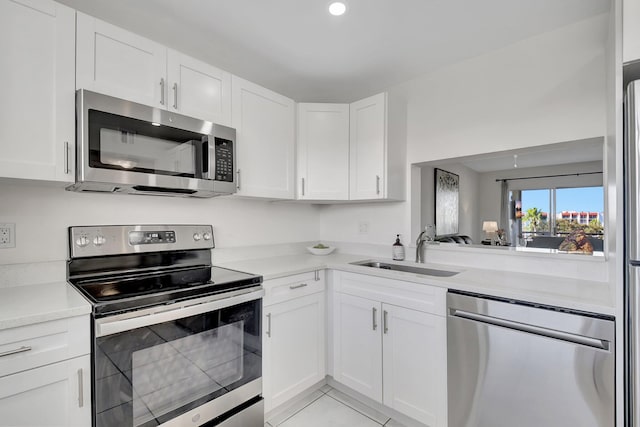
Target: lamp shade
{"points": [[490, 226]]}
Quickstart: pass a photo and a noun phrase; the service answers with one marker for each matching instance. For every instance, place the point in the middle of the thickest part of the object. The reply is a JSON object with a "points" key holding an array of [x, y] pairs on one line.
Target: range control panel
{"points": [[151, 237], [126, 239]]}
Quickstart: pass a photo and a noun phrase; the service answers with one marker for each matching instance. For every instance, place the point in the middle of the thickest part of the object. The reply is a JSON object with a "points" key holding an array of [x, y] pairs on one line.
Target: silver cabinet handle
{"points": [[303, 186], [317, 276], [175, 96], [532, 329], [385, 321], [16, 351], [67, 163], [238, 179], [269, 325], [374, 313], [377, 184], [162, 91], [80, 389], [301, 285]]}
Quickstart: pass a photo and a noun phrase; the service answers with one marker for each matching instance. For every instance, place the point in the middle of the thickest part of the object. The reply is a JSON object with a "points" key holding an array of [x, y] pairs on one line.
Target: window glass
{"points": [[580, 208]]}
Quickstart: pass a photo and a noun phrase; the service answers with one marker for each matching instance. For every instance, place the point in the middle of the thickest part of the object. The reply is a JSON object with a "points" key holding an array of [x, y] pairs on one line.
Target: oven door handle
{"points": [[128, 321]]}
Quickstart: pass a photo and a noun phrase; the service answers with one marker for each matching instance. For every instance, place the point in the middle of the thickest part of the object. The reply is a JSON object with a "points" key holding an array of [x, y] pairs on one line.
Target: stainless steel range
{"points": [[176, 340]]}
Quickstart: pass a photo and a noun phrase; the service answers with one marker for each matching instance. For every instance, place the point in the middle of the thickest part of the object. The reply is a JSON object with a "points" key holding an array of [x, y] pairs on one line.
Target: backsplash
{"points": [[42, 215]]}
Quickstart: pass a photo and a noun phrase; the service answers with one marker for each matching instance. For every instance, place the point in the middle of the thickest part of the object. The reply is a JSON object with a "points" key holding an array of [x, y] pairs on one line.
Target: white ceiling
{"points": [[296, 48], [583, 150]]}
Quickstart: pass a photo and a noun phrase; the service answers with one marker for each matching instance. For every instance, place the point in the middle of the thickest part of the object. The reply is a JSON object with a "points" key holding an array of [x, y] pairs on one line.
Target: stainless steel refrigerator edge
{"points": [[632, 256]]}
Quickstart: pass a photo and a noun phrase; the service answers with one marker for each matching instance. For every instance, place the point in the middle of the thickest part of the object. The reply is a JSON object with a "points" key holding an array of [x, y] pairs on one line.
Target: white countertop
{"points": [[29, 304], [585, 295], [25, 305]]}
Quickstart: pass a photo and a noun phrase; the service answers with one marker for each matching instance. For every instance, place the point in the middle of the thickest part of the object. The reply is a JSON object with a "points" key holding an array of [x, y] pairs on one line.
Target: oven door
{"points": [[180, 366]]}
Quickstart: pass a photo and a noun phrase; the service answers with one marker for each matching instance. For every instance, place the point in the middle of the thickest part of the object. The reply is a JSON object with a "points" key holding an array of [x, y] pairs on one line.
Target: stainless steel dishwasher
{"points": [[516, 364]]}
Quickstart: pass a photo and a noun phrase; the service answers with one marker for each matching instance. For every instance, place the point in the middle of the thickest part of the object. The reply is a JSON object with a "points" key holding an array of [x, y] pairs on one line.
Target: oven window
{"points": [[149, 375], [123, 143]]}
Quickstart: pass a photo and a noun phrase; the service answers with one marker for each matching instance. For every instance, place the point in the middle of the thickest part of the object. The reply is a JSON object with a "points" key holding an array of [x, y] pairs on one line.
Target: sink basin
{"points": [[407, 268]]}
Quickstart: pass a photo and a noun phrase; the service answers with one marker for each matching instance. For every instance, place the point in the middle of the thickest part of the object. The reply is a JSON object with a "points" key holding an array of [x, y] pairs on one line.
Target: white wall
{"points": [[42, 215], [546, 89]]}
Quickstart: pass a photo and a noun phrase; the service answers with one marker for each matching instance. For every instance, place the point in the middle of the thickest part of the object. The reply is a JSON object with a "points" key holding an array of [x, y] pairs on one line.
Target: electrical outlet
{"points": [[7, 235], [363, 227]]}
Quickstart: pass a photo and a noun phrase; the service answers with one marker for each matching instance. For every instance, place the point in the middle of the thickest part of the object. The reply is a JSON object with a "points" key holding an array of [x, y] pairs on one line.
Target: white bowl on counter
{"points": [[320, 251]]}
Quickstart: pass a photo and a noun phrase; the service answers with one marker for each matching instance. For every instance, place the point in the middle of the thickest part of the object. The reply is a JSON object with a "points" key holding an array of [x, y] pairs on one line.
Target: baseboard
{"points": [[391, 413]]}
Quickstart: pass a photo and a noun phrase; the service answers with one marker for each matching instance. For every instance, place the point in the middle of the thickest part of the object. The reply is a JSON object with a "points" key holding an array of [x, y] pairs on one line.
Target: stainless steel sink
{"points": [[407, 268]]}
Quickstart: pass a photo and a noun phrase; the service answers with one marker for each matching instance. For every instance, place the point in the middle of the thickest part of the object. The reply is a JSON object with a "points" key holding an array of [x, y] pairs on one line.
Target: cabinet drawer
{"points": [[426, 298], [30, 346], [286, 288]]}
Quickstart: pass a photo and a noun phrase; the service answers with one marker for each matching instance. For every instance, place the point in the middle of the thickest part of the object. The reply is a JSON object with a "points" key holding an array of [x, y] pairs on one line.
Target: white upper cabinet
{"points": [[37, 136], [368, 143], [198, 89], [630, 30], [265, 126], [125, 65], [119, 63], [323, 151]]}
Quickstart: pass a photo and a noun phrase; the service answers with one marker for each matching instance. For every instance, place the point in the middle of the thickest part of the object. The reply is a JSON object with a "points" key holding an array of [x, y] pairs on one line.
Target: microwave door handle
{"points": [[208, 158]]}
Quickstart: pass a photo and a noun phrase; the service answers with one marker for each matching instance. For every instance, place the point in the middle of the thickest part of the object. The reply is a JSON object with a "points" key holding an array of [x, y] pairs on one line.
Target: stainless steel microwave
{"points": [[125, 147]]}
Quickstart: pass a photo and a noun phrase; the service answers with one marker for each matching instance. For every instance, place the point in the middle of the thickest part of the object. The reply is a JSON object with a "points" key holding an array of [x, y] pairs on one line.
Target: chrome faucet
{"points": [[419, 245], [427, 235]]}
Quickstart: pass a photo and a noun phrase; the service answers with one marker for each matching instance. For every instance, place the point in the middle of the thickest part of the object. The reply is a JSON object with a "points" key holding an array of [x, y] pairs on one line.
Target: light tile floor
{"points": [[328, 407]]}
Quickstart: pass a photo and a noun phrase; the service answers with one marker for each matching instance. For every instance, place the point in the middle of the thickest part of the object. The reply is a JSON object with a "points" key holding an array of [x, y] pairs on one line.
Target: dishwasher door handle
{"points": [[531, 329]]}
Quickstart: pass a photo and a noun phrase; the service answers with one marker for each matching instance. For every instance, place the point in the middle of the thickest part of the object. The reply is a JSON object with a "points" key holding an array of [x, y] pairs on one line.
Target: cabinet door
{"points": [[52, 395], [631, 30], [368, 141], [116, 62], [323, 151], [37, 135], [415, 364], [357, 342], [294, 348], [198, 89], [265, 125]]}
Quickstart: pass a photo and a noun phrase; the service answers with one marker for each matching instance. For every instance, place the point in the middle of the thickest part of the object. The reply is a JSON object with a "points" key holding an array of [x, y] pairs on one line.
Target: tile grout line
{"points": [[361, 413]]}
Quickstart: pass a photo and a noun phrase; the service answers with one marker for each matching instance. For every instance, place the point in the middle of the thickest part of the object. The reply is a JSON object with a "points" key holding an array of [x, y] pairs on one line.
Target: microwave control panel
{"points": [[224, 160]]}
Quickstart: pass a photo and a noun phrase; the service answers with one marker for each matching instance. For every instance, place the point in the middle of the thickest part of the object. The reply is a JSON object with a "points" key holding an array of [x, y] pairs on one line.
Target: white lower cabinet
{"points": [[293, 337], [414, 369], [52, 395], [45, 374], [358, 344], [392, 354]]}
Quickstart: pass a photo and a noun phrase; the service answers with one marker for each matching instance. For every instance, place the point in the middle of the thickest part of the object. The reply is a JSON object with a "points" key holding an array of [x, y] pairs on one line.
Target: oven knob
{"points": [[99, 240], [206, 236], [82, 241], [197, 237]]}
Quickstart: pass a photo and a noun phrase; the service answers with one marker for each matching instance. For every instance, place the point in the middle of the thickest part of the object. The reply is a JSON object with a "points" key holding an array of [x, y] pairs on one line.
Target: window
{"points": [[556, 212]]}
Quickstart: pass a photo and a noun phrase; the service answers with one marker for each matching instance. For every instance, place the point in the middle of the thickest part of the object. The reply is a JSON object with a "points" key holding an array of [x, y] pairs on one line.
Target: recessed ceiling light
{"points": [[337, 8]]}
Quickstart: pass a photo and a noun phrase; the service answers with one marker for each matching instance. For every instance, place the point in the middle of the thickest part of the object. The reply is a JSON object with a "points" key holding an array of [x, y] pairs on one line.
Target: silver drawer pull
{"points": [[80, 389], [385, 321], [269, 325], [16, 351], [301, 285], [374, 313]]}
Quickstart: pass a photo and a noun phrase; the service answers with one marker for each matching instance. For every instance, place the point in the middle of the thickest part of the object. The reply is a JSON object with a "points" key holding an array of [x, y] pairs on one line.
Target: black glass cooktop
{"points": [[111, 294]]}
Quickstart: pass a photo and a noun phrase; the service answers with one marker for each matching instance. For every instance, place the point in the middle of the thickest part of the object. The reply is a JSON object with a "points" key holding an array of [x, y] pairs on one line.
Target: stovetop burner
{"points": [[136, 273]]}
